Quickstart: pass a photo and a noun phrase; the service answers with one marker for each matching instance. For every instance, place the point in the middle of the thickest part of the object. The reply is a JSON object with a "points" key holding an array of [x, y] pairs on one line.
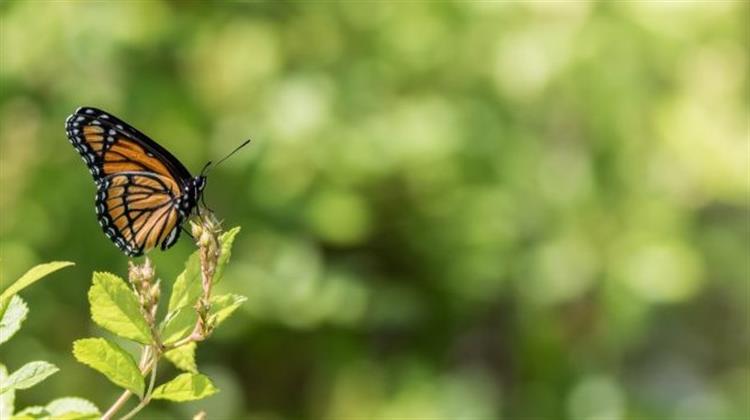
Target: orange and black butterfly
{"points": [[143, 192]]}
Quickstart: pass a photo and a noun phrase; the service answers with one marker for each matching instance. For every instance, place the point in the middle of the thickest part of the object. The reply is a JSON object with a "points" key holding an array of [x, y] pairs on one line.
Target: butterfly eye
{"points": [[200, 183]]}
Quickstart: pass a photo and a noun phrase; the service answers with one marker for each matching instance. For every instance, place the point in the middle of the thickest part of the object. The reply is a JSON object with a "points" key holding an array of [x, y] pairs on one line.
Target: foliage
{"points": [[130, 313], [13, 311], [185, 387], [111, 361]]}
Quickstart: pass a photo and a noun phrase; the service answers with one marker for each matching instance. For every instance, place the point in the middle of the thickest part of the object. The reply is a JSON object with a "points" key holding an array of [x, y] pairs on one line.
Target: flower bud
{"points": [[196, 229], [141, 275], [155, 292]]}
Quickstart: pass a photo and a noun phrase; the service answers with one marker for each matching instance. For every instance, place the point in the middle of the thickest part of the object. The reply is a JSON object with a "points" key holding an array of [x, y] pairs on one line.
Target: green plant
{"points": [[13, 311], [129, 310]]}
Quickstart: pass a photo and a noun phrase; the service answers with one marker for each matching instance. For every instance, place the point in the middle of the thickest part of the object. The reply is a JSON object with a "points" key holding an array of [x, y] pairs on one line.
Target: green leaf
{"points": [[39, 412], [8, 397], [183, 357], [33, 412], [110, 360], [70, 408], [4, 303], [178, 324], [187, 287], [28, 375], [32, 276], [227, 240], [14, 314], [115, 307], [77, 416], [223, 305], [185, 387]]}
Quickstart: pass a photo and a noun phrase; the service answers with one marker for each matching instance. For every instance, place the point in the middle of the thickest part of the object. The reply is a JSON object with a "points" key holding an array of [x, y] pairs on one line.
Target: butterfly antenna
{"points": [[205, 167], [245, 143], [204, 172]]}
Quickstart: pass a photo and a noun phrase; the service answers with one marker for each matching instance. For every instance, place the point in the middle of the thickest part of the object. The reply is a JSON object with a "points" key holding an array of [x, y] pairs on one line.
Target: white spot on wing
{"points": [[172, 235]]}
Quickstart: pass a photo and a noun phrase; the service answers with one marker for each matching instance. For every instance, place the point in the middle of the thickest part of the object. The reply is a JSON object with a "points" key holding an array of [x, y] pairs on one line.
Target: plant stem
{"points": [[207, 239], [124, 397], [147, 397], [195, 336]]}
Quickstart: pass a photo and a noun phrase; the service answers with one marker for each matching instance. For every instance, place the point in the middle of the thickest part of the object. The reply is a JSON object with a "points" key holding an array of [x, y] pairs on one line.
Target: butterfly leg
{"points": [[187, 232], [203, 202]]}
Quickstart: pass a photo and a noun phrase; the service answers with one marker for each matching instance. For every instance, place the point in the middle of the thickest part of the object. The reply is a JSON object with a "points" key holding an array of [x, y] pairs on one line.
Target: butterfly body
{"points": [[144, 193]]}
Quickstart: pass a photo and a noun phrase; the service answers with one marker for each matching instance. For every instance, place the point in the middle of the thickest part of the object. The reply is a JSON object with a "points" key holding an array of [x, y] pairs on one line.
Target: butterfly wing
{"points": [[109, 145], [140, 185], [137, 211]]}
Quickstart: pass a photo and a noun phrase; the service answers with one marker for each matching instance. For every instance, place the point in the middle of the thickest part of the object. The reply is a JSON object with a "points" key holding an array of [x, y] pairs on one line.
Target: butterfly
{"points": [[143, 192]]}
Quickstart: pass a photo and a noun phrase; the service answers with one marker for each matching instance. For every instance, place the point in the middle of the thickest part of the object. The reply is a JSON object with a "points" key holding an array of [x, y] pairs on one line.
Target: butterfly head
{"points": [[191, 193], [199, 183]]}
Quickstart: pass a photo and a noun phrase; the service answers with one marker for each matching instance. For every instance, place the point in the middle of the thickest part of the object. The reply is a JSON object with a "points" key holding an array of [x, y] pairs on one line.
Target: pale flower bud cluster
{"points": [[206, 236], [148, 291]]}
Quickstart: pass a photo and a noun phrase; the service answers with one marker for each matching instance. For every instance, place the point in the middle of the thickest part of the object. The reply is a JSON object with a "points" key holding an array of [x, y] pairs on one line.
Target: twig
{"points": [[124, 397], [147, 396]]}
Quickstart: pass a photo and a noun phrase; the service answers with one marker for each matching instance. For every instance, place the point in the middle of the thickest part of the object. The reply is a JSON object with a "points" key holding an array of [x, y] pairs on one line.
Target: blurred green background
{"points": [[451, 210]]}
